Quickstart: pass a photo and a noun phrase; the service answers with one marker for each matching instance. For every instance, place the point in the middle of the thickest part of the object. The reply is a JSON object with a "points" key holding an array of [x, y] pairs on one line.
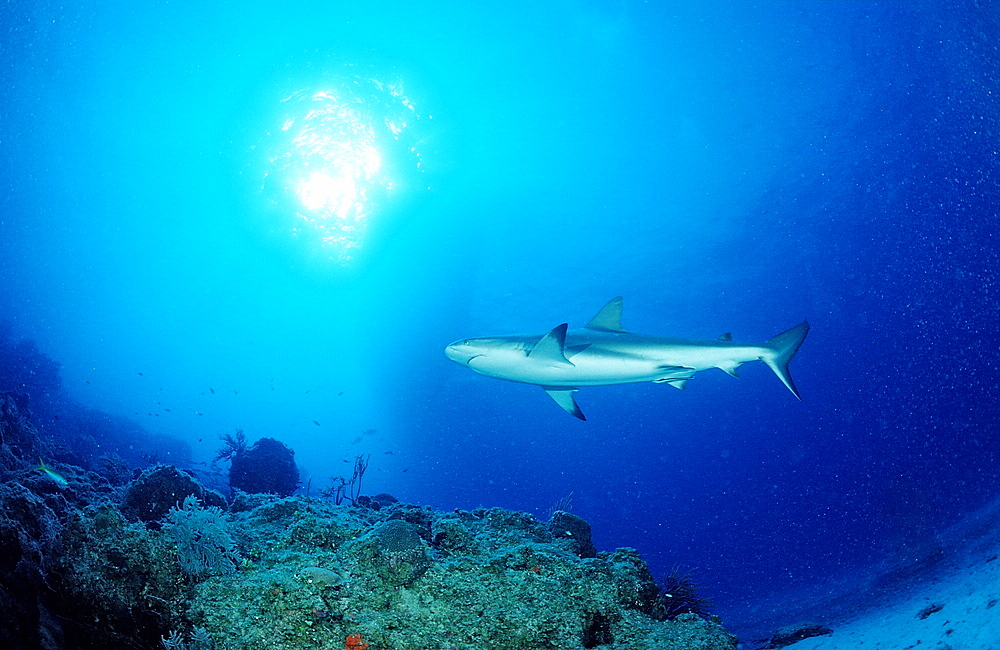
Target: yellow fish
{"points": [[60, 481]]}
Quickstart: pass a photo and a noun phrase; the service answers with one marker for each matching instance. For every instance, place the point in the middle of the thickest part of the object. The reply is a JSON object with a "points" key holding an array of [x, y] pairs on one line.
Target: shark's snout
{"points": [[461, 352]]}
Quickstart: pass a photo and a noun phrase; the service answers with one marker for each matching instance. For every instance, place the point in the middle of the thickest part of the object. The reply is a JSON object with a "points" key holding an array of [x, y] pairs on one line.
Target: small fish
{"points": [[387, 453], [407, 469], [59, 480], [340, 393], [213, 390], [315, 422], [167, 410], [140, 374]]}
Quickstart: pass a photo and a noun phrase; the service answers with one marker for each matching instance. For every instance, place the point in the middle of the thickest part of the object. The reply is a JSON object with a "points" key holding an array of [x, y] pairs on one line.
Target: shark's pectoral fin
{"points": [[564, 398], [609, 319], [725, 337], [551, 348]]}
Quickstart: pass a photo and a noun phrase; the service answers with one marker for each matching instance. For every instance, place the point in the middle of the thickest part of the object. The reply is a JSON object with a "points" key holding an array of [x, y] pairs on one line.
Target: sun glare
{"points": [[329, 161]]}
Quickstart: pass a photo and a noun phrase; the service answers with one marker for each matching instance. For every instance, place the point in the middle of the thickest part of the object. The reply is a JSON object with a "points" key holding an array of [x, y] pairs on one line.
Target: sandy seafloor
{"points": [[943, 595]]}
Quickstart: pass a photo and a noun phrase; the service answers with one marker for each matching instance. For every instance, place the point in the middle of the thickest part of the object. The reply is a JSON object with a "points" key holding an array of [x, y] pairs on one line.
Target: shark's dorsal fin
{"points": [[725, 337], [564, 397], [550, 348], [609, 319]]}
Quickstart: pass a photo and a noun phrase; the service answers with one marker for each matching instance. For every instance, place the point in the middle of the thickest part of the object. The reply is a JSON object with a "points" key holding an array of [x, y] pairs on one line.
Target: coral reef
{"points": [[267, 467], [407, 577], [165, 563], [151, 496]]}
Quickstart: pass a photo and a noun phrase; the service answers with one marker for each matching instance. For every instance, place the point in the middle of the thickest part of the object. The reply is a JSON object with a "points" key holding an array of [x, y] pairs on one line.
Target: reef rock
{"points": [[790, 634], [18, 437], [406, 577], [307, 573], [151, 496]]}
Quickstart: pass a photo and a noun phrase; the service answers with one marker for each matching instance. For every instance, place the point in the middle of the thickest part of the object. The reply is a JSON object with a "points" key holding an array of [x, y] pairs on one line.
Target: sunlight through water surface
{"points": [[341, 151]]}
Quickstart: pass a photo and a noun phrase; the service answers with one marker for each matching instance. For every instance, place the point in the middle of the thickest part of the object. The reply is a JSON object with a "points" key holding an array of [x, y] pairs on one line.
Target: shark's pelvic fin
{"points": [[564, 398], [609, 319], [676, 376], [551, 348], [781, 350]]}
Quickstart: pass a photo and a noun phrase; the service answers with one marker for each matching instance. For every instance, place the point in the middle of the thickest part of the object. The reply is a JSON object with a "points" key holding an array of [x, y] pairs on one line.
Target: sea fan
{"points": [[680, 595]]}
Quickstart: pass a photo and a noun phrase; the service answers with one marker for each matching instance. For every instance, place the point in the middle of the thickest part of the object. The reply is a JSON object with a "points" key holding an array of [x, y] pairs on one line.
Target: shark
{"points": [[603, 353]]}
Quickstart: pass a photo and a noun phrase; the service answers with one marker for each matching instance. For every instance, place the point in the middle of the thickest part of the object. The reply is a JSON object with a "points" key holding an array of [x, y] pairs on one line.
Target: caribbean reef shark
{"points": [[602, 353]]}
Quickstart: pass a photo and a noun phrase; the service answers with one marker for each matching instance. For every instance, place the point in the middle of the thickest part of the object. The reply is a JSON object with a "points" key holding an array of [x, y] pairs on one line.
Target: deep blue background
{"points": [[725, 166]]}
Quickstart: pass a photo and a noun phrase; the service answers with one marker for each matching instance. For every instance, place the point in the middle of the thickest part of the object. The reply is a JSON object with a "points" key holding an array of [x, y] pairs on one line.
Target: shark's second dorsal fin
{"points": [[609, 319], [725, 337], [551, 347]]}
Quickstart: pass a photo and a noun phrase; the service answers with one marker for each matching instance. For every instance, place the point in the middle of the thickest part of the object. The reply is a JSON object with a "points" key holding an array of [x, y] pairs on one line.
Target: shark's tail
{"points": [[781, 349]]}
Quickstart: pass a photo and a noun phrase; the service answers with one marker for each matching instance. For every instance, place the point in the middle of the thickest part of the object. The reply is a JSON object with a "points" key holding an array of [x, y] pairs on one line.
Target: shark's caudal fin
{"points": [[782, 348]]}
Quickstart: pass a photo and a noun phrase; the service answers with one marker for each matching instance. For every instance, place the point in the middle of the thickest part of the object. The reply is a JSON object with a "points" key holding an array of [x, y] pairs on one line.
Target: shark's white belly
{"points": [[583, 372]]}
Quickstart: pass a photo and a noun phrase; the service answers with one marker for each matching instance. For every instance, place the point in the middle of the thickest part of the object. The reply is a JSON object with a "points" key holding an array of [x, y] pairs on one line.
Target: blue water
{"points": [[507, 167]]}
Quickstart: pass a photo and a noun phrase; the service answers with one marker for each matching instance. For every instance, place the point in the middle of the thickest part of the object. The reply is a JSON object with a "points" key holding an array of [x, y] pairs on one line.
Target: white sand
{"points": [[964, 581]]}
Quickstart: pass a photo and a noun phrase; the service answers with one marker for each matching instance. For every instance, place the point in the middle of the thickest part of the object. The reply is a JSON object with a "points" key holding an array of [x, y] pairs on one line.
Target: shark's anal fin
{"points": [[564, 398], [730, 368], [609, 319], [551, 348]]}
